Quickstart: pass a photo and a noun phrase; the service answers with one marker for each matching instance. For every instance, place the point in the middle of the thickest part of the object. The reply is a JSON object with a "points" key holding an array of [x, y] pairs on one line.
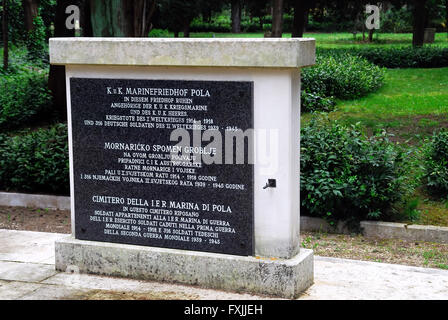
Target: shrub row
{"points": [[223, 24], [397, 57], [35, 161], [345, 175], [349, 177], [343, 76], [24, 98], [338, 76]]}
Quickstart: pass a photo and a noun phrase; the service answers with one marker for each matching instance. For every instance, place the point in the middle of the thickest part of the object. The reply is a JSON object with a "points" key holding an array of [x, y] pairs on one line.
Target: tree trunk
{"points": [[121, 18], [363, 31], [86, 23], [236, 16], [5, 36], [419, 16], [30, 11], [138, 14], [301, 10], [56, 78], [371, 31], [277, 18], [186, 28]]}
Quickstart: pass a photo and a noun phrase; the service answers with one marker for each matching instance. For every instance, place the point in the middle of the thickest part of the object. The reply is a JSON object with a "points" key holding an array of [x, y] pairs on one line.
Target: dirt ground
{"points": [[422, 254], [357, 247], [32, 219]]}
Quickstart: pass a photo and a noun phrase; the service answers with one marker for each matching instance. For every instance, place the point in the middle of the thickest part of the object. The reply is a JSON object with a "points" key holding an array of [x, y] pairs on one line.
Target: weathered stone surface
{"points": [[18, 271], [321, 225], [285, 278], [378, 229], [274, 53], [34, 200], [344, 279], [13, 290]]}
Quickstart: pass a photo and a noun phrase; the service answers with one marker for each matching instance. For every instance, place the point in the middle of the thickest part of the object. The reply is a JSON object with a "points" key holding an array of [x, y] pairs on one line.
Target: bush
{"points": [[436, 164], [312, 102], [397, 21], [219, 24], [407, 57], [398, 57], [159, 33], [24, 98], [35, 161], [345, 175], [342, 75]]}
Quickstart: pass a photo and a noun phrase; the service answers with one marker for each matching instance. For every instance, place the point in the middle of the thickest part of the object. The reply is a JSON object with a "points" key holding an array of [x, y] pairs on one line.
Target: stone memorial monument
{"points": [[184, 161]]}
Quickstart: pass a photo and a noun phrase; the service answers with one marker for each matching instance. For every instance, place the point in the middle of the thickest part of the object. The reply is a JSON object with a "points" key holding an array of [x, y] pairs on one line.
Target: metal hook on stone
{"points": [[272, 183]]}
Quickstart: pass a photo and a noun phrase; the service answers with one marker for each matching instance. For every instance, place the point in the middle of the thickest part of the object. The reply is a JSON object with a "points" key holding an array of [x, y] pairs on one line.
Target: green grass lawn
{"points": [[411, 104], [340, 40], [337, 39]]}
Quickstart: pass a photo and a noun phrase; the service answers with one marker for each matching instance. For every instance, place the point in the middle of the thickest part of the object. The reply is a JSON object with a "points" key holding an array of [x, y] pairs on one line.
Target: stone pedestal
{"points": [[285, 278], [275, 263]]}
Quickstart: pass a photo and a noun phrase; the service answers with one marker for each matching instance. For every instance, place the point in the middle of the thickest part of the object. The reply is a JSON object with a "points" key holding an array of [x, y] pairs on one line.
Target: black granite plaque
{"points": [[128, 187]]}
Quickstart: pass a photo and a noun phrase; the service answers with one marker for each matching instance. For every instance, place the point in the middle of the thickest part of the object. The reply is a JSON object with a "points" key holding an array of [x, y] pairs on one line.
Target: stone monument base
{"points": [[285, 278]]}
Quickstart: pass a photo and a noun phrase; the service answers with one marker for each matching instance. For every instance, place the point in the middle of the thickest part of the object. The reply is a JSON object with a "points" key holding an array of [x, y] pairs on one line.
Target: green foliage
{"points": [[35, 161], [24, 98], [17, 32], [312, 102], [36, 41], [219, 23], [327, 25], [342, 75], [159, 33], [48, 13], [410, 211], [436, 164], [338, 74], [222, 23], [345, 175], [16, 27], [397, 20], [398, 57]]}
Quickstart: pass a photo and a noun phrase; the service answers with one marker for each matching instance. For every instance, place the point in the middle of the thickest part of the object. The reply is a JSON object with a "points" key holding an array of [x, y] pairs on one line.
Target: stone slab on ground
{"points": [[34, 200], [379, 229], [14, 290], [343, 279], [334, 279], [23, 271], [26, 246]]}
